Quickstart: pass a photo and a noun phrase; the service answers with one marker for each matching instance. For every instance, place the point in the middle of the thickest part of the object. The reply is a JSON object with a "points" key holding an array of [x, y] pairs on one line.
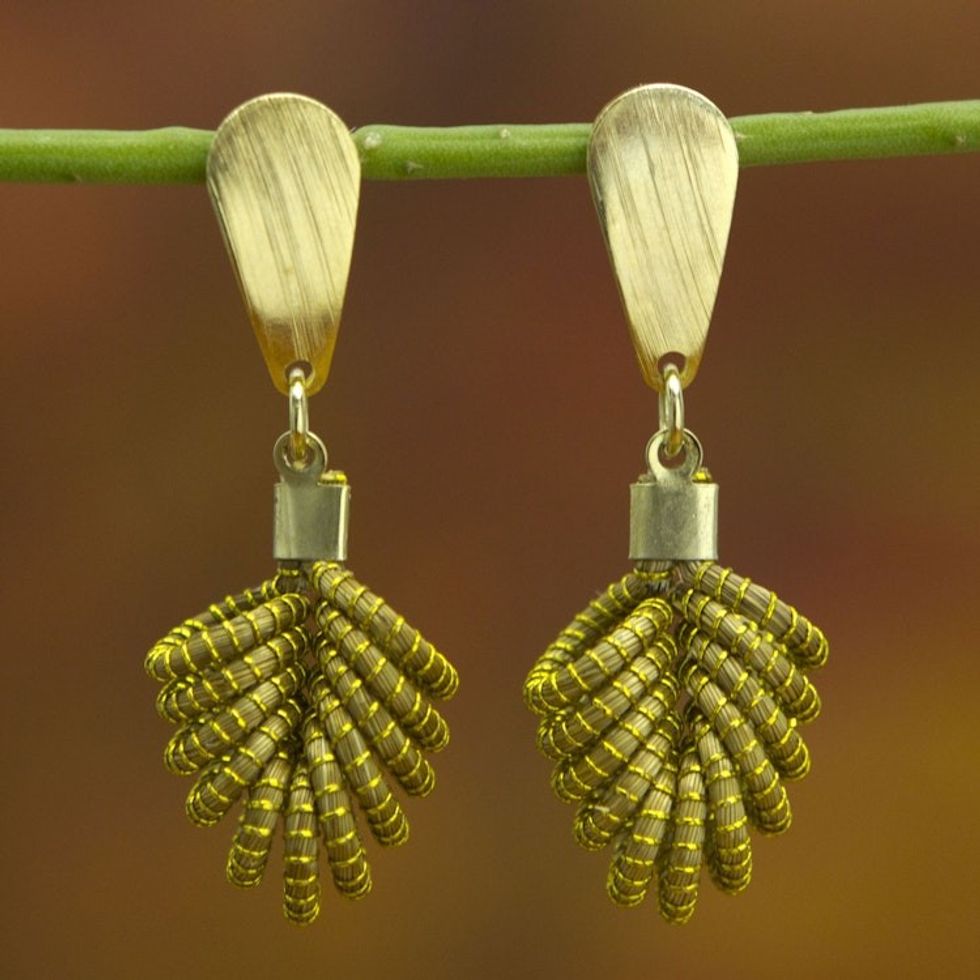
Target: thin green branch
{"points": [[177, 155]]}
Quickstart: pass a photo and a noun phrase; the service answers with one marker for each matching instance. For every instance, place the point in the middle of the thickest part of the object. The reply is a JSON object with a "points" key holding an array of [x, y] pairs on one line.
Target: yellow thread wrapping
{"points": [[384, 680], [781, 741], [758, 651], [593, 669], [770, 804], [384, 814], [345, 853], [806, 644], [729, 851], [601, 817], [588, 773], [589, 625], [301, 877], [606, 692], [226, 640], [182, 700], [197, 744], [566, 734], [221, 785], [681, 858], [394, 748], [265, 802], [635, 860], [396, 639], [242, 682]]}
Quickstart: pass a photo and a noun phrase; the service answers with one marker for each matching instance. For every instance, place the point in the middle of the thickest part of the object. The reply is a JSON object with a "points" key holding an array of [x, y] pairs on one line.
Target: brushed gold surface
{"points": [[663, 167], [284, 178]]}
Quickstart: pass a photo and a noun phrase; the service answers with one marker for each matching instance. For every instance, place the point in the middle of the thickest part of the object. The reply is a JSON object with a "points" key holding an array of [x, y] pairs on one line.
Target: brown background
{"points": [[487, 408]]}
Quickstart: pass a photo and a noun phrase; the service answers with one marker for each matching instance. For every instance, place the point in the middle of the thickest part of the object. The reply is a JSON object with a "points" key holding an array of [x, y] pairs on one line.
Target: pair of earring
{"points": [[671, 704]]}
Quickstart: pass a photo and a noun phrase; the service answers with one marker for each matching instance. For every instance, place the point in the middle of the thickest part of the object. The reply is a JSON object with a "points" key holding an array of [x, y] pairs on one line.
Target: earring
{"points": [[672, 703], [300, 697]]}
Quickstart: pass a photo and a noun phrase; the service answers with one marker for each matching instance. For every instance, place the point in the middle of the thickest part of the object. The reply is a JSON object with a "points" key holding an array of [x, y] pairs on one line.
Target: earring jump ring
{"points": [[299, 416], [672, 410]]}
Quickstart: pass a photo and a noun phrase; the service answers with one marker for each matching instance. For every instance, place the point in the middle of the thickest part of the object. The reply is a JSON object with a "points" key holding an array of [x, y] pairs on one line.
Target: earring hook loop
{"points": [[672, 410], [299, 417]]}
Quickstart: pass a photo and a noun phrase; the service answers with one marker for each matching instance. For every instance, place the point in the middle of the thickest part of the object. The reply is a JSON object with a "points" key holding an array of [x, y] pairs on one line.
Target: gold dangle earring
{"points": [[300, 697], [672, 703]]}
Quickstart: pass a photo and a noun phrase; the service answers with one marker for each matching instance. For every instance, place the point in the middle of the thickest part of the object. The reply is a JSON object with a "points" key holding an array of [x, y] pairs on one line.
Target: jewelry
{"points": [[672, 702], [300, 695]]}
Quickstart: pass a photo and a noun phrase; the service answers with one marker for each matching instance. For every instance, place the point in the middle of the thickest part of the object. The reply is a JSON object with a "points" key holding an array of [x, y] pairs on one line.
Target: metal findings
{"points": [[663, 167], [284, 178], [672, 410], [299, 416], [311, 506], [674, 509]]}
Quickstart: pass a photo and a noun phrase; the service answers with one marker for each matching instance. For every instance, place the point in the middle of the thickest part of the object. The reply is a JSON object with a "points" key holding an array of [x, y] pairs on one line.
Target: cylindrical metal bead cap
{"points": [[311, 507], [674, 509], [673, 520]]}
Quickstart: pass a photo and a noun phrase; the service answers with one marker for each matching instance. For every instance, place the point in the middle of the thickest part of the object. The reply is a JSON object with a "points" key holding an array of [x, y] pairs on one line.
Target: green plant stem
{"points": [[177, 155]]}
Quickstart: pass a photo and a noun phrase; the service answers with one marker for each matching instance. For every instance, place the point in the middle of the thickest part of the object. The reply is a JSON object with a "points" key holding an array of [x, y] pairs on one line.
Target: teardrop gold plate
{"points": [[284, 178], [663, 167]]}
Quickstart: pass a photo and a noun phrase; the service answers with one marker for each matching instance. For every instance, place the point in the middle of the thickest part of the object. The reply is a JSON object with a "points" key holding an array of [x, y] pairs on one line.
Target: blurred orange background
{"points": [[487, 408]]}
